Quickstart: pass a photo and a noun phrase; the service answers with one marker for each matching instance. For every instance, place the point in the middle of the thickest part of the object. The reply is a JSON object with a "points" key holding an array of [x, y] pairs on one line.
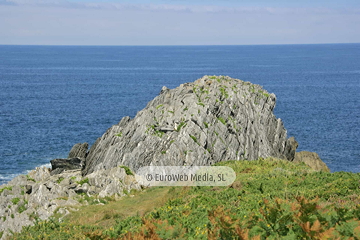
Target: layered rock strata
{"points": [[199, 123]]}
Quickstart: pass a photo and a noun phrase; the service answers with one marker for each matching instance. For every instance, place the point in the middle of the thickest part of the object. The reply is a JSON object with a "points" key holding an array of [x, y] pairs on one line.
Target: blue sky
{"points": [[178, 22]]}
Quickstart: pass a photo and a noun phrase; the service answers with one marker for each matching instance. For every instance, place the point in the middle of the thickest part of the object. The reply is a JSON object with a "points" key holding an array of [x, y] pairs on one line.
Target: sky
{"points": [[178, 22]]}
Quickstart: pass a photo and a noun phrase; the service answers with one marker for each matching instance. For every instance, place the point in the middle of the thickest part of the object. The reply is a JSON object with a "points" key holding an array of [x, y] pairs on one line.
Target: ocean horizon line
{"points": [[175, 45]]}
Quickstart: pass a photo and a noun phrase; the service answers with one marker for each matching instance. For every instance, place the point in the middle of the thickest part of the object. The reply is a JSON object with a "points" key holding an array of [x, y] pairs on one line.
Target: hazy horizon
{"points": [[178, 22]]}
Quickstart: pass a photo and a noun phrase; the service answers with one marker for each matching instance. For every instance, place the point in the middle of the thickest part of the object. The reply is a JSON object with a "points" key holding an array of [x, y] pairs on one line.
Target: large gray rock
{"points": [[311, 159], [200, 123]]}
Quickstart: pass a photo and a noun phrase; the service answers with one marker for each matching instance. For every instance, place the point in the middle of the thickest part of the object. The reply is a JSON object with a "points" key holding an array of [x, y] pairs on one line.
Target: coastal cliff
{"points": [[213, 119]]}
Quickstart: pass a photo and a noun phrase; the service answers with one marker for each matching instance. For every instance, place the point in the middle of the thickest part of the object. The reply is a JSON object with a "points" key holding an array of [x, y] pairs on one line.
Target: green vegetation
{"points": [[60, 180], [163, 152], [200, 104], [119, 134], [22, 208], [206, 125], [223, 121], [30, 178], [127, 170], [155, 131], [83, 181], [182, 124], [270, 199], [194, 138], [159, 106], [5, 188], [15, 200], [223, 92], [252, 88]]}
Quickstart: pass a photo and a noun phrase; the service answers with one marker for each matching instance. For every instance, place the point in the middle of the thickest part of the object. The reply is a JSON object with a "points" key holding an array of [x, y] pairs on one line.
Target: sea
{"points": [[52, 97]]}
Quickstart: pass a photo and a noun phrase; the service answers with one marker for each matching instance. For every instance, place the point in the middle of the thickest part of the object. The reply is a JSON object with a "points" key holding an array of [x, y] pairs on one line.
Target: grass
{"points": [[5, 188], [83, 181], [127, 170], [182, 124], [200, 104], [222, 120], [15, 200], [270, 199], [194, 139], [223, 92], [60, 180], [98, 215], [30, 178], [22, 208]]}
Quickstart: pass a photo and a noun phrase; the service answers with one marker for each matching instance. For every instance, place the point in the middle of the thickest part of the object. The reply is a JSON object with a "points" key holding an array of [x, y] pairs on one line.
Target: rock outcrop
{"points": [[200, 123], [311, 159], [38, 195]]}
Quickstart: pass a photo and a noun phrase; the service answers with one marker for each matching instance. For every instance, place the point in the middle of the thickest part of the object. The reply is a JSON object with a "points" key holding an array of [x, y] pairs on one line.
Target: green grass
{"points": [[22, 208], [270, 199], [194, 138], [127, 170], [60, 180], [200, 104], [83, 181], [15, 200], [223, 92], [30, 178], [182, 124], [5, 188], [222, 120]]}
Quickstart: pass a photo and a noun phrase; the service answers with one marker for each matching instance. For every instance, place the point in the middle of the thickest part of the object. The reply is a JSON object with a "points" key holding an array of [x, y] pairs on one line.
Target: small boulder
{"points": [[311, 159]]}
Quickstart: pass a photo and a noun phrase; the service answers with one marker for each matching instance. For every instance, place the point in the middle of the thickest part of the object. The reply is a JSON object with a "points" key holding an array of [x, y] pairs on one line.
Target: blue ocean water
{"points": [[52, 97]]}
